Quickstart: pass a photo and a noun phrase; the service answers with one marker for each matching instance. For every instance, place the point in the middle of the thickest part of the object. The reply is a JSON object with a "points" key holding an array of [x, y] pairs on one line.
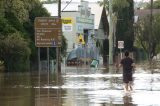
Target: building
{"points": [[140, 13], [81, 29], [83, 24]]}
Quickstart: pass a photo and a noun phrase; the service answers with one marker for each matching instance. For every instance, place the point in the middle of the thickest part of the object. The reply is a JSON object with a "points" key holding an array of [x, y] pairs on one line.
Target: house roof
{"points": [[73, 6], [144, 12], [97, 11]]}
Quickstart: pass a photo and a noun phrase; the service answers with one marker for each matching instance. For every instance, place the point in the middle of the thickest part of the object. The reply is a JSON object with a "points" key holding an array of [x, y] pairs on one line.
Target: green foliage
{"points": [[1, 63], [1, 9], [104, 3], [18, 8], [17, 44], [64, 46], [13, 21], [117, 4], [144, 38], [124, 11], [156, 5], [14, 51], [5, 27], [38, 11], [124, 28]]}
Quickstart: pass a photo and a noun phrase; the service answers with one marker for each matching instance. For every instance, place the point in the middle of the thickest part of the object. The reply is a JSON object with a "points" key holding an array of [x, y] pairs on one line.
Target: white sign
{"points": [[67, 24], [120, 44], [67, 27]]}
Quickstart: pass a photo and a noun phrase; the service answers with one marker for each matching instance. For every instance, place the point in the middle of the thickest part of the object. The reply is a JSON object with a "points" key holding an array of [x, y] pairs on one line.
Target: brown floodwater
{"points": [[78, 87]]}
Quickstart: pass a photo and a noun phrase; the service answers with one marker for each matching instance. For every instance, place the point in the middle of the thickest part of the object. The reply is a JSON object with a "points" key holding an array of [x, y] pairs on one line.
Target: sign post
{"points": [[48, 33], [121, 46]]}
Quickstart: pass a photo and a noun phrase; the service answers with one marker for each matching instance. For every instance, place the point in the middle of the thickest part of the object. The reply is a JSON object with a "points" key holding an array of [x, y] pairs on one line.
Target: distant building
{"points": [[82, 23], [140, 13]]}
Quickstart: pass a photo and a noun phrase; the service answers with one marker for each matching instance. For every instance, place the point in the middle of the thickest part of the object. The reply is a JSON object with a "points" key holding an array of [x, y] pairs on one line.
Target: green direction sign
{"points": [[48, 32]]}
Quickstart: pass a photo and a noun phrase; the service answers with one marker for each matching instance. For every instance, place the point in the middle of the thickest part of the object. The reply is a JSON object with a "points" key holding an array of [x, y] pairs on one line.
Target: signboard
{"points": [[67, 20], [85, 20], [67, 28], [48, 32], [67, 24], [120, 44]]}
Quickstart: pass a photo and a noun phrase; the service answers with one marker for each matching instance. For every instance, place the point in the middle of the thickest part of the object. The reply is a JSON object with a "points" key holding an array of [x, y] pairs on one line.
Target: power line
{"points": [[66, 5]]}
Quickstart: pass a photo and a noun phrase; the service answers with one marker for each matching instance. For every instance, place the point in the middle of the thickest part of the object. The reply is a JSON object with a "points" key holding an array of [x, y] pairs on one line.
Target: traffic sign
{"points": [[120, 44], [48, 32]]}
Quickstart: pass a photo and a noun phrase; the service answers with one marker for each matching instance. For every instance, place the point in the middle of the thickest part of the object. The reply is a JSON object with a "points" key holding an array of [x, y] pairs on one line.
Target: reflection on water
{"points": [[78, 87], [16, 90], [127, 100]]}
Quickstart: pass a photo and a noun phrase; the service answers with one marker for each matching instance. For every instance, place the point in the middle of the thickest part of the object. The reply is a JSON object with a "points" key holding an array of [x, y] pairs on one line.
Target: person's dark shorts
{"points": [[127, 77]]}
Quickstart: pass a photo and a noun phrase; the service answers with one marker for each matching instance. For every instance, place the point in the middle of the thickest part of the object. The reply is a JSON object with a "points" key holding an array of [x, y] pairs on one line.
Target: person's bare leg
{"points": [[130, 86], [125, 87]]}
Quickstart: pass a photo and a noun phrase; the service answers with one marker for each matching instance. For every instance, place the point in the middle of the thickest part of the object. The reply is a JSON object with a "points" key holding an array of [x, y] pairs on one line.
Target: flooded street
{"points": [[78, 87]]}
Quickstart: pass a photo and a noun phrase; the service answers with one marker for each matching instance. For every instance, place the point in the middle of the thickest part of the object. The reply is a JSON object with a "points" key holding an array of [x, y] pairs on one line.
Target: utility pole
{"points": [[58, 56], [110, 33], [58, 49], [151, 31]]}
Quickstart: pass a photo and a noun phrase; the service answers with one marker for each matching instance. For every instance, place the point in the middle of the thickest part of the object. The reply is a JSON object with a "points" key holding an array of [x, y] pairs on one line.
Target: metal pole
{"points": [[39, 61], [48, 72], [58, 49], [150, 42], [39, 78], [48, 64], [59, 61], [110, 34]]}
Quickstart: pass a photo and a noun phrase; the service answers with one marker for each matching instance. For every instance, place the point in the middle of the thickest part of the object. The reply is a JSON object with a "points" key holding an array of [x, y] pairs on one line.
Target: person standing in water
{"points": [[128, 64]]}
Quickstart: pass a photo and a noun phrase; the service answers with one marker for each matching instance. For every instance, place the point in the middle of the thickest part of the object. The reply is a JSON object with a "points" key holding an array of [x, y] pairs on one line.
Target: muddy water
{"points": [[78, 87]]}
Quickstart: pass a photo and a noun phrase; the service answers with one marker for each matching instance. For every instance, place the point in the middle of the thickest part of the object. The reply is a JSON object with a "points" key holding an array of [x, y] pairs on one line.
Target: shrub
{"points": [[14, 51]]}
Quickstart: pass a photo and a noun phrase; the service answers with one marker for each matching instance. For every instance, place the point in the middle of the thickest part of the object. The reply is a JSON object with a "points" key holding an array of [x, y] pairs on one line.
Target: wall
{"points": [[70, 35]]}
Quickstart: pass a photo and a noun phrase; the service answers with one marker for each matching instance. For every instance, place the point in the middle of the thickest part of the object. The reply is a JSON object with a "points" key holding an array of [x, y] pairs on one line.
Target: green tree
{"points": [[18, 8], [5, 27], [147, 36], [125, 30], [123, 14], [156, 5], [39, 11], [14, 51], [143, 37], [122, 21], [17, 19], [117, 4], [1, 9]]}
